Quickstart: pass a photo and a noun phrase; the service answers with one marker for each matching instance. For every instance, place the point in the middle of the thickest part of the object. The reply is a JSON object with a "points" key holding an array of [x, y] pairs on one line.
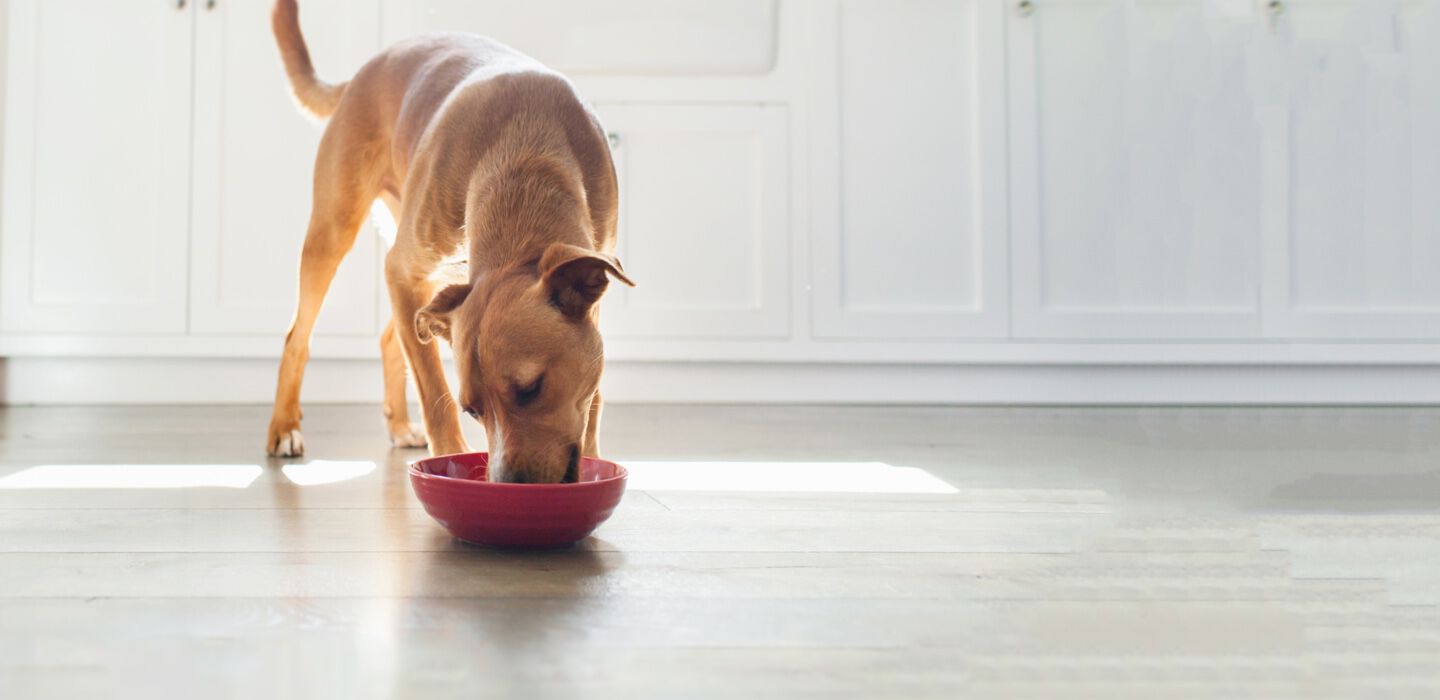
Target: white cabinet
{"points": [[1182, 172], [1353, 246], [254, 165], [848, 181], [97, 167], [704, 222], [1135, 171], [918, 250]]}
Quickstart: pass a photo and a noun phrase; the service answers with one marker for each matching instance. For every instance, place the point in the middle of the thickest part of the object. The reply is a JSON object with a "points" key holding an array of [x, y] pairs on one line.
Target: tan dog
{"points": [[483, 155]]}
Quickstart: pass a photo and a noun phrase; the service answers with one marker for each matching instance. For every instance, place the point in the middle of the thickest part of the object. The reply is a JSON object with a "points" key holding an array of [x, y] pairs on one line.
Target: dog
{"points": [[491, 164]]}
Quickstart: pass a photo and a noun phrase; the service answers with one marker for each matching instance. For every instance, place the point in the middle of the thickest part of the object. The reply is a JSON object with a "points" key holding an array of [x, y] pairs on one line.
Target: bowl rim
{"points": [[621, 474]]}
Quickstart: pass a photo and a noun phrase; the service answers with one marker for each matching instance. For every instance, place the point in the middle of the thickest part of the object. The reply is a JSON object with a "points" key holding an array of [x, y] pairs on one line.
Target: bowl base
{"points": [[519, 547]]}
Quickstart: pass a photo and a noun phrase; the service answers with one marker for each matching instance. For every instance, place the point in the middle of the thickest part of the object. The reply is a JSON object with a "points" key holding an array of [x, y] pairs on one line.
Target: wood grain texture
{"points": [[1067, 553]]}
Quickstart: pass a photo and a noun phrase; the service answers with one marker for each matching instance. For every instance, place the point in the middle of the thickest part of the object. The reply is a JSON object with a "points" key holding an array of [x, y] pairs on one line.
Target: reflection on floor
{"points": [[763, 551]]}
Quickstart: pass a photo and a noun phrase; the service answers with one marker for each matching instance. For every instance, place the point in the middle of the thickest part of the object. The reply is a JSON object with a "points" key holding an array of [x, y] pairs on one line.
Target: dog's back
{"points": [[406, 92]]}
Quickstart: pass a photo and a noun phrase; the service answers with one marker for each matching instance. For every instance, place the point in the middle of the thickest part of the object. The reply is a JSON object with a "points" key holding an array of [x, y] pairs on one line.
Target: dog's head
{"points": [[529, 355]]}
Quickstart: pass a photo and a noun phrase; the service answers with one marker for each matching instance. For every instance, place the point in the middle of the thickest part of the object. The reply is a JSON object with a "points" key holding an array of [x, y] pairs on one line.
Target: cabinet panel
{"points": [[1356, 250], [704, 221], [615, 37], [97, 181], [1136, 179], [254, 164], [919, 249]]}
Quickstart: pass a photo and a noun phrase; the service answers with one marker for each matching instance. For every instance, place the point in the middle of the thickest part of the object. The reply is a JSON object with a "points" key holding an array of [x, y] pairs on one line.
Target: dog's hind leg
{"points": [[346, 182], [403, 433]]}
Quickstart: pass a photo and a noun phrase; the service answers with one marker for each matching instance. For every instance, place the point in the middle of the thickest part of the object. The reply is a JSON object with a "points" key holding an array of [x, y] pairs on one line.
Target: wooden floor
{"points": [[1039, 553]]}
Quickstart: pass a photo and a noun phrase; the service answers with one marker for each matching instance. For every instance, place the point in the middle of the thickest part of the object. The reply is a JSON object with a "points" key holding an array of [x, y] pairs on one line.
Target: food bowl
{"points": [[456, 491]]}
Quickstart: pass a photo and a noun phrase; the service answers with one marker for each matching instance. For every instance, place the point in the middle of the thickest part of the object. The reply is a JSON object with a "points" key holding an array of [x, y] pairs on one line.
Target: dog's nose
{"points": [[524, 470], [509, 476]]}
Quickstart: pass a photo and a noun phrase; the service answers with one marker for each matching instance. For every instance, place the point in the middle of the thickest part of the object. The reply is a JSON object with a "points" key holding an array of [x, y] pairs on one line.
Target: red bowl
{"points": [[456, 492]]}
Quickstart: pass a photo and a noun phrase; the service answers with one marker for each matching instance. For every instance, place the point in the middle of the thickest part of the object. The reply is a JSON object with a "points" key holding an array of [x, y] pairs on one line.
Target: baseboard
{"points": [[30, 380]]}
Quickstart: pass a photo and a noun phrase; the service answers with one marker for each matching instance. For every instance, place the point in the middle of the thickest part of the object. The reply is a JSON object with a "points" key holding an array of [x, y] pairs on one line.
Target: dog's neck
{"points": [[520, 204]]}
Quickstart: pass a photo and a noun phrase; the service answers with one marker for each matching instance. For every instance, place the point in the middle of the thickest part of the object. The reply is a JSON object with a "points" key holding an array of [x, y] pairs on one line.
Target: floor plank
{"points": [[638, 528]]}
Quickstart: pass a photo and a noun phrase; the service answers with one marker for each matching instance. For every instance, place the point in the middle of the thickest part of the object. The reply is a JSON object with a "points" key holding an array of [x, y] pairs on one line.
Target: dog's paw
{"points": [[285, 443], [404, 435]]}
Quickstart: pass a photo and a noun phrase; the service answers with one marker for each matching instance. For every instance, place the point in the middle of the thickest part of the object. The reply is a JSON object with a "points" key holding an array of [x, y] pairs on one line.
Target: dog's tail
{"points": [[314, 96]]}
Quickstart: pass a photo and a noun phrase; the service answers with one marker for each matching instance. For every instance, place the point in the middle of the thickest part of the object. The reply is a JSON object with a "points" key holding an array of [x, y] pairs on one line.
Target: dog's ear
{"points": [[434, 319], [575, 277]]}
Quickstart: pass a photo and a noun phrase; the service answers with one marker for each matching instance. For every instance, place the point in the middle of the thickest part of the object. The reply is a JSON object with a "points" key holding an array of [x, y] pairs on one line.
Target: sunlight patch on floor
{"points": [[133, 476], [323, 471], [793, 477]]}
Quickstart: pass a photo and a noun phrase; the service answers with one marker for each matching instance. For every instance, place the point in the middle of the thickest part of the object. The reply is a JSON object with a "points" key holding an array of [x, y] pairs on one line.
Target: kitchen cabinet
{"points": [[918, 247], [835, 182], [1135, 159], [704, 221], [97, 167], [1352, 245]]}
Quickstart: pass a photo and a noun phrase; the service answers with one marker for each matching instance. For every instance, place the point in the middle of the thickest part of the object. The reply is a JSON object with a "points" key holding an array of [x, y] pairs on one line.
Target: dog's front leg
{"points": [[408, 293], [591, 446]]}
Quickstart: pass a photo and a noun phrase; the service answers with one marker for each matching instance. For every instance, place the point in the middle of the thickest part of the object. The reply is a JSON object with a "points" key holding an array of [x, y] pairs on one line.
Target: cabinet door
{"points": [[1135, 173], [614, 37], [254, 162], [1353, 250], [919, 248], [704, 221], [97, 167]]}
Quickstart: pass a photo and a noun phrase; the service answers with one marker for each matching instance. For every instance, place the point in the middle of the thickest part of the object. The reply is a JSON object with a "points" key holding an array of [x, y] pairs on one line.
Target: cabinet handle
{"points": [[180, 4], [210, 4], [1025, 8], [1274, 9], [614, 139]]}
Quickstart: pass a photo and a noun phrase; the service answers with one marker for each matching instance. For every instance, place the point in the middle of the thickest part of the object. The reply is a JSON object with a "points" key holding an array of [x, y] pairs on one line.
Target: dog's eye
{"points": [[474, 412], [525, 395]]}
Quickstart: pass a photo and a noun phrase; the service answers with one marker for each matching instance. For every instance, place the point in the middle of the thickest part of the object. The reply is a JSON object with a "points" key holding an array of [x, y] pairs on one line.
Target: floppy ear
{"points": [[434, 319], [576, 277]]}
